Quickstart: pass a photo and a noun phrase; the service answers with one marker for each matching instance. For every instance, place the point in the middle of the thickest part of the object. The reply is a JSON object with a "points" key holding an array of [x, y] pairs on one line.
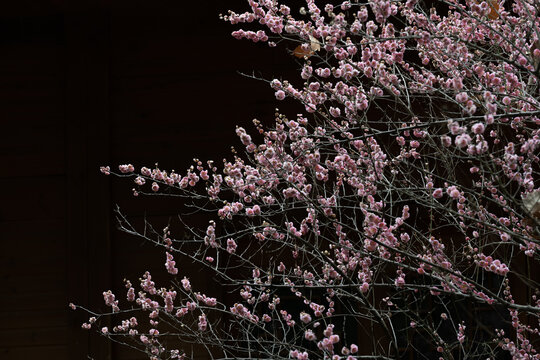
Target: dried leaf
{"points": [[315, 45], [494, 13], [531, 202], [305, 50], [302, 51]]}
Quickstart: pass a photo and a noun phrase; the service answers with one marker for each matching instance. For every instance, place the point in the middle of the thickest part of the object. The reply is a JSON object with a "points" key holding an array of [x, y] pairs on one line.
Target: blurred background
{"points": [[88, 83]]}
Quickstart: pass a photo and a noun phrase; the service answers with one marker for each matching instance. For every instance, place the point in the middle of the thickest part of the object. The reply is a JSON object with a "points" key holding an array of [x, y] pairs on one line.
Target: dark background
{"points": [[88, 83]]}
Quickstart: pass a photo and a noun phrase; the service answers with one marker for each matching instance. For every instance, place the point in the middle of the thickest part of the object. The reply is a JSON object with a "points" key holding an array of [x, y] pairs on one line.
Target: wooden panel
{"points": [[33, 311], [88, 83], [31, 96], [24, 281], [37, 236], [177, 93], [33, 318], [33, 198], [47, 301], [37, 352], [86, 113], [33, 337]]}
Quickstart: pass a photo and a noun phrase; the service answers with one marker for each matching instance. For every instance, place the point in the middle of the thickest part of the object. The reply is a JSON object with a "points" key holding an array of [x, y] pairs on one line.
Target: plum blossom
{"points": [[407, 172]]}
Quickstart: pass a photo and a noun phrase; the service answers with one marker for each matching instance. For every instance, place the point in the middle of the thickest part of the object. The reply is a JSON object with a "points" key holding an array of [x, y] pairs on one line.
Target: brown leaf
{"points": [[302, 51], [494, 13], [531, 202]]}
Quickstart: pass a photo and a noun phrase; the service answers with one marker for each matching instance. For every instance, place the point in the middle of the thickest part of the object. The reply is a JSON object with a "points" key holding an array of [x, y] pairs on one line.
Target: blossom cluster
{"points": [[411, 179]]}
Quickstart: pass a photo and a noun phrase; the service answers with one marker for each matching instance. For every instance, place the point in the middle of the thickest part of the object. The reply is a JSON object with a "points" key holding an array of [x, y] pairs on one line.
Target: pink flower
{"points": [[181, 312], [231, 246], [453, 192], [275, 84], [210, 301], [280, 95], [364, 288], [335, 112], [305, 317], [462, 140], [203, 324], [446, 140], [334, 338], [186, 284], [462, 97], [144, 339], [170, 264], [256, 210], [204, 175], [478, 128], [310, 335], [191, 306], [126, 168], [457, 83], [325, 73], [461, 333], [140, 181]]}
